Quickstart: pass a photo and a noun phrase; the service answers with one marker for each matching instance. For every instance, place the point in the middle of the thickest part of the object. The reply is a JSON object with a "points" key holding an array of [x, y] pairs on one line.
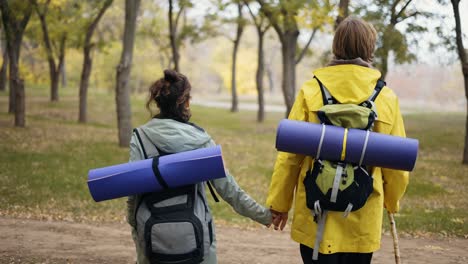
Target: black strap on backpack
{"points": [[156, 171], [329, 99], [135, 130], [155, 164], [326, 96], [378, 88]]}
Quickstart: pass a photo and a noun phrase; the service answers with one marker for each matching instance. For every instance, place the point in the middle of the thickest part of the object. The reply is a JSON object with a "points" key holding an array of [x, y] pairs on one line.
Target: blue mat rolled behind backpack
{"points": [[372, 149], [152, 175]]}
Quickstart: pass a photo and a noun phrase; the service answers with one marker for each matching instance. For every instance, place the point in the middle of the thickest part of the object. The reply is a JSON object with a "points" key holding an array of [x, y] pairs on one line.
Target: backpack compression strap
{"points": [[326, 96]]}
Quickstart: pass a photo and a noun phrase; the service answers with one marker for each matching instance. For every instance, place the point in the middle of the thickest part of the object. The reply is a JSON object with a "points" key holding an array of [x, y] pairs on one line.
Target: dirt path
{"points": [[32, 241]]}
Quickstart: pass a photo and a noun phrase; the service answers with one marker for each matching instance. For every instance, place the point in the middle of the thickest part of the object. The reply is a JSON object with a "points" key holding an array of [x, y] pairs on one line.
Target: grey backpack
{"points": [[174, 225]]}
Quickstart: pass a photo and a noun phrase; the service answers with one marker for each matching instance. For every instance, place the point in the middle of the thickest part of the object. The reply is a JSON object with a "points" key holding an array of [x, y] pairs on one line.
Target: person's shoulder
{"points": [[388, 94], [310, 87], [199, 128], [387, 104], [310, 91]]}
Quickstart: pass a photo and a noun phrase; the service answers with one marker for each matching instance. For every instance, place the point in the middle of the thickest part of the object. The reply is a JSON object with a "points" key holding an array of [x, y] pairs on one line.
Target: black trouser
{"points": [[336, 258]]}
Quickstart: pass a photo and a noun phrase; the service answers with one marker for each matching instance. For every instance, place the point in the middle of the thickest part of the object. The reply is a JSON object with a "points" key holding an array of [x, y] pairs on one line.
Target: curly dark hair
{"points": [[171, 94]]}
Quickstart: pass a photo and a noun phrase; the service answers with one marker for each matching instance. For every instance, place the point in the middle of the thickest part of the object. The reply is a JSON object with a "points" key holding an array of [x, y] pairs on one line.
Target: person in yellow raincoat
{"points": [[350, 78]]}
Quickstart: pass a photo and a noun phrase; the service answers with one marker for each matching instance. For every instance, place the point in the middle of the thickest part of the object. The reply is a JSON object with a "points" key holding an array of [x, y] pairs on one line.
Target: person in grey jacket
{"points": [[171, 132]]}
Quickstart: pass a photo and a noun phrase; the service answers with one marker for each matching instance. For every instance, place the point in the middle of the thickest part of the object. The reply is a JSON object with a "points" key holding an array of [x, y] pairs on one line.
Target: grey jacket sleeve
{"points": [[242, 203], [135, 154]]}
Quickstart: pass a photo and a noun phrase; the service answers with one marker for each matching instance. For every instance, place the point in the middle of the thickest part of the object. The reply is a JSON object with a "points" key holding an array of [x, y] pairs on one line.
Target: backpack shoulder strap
{"points": [[326, 96], [148, 148], [378, 88], [140, 141], [213, 193]]}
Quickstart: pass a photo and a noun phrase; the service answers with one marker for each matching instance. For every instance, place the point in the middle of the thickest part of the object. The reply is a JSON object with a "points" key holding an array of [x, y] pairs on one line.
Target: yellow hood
{"points": [[348, 83]]}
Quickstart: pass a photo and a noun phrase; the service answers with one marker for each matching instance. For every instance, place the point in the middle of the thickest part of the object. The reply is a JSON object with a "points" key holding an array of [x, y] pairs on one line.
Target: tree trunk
{"points": [[464, 65], [465, 152], [17, 85], [240, 30], [88, 63], [84, 82], [54, 81], [53, 71], [14, 29], [269, 74], [259, 77], [234, 102], [63, 74], [173, 37], [384, 67], [61, 63], [11, 93], [122, 95], [288, 50], [20, 104], [343, 11], [4, 69]]}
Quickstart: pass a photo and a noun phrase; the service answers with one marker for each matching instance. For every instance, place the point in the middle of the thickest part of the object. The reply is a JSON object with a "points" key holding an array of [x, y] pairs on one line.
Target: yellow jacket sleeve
{"points": [[395, 181], [287, 166]]}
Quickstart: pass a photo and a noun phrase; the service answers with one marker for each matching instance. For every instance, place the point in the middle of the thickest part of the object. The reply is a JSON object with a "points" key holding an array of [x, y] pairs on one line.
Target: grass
{"points": [[44, 166]]}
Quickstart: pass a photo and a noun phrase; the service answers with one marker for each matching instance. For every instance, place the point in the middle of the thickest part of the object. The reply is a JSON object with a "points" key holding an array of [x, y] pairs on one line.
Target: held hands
{"points": [[279, 219]]}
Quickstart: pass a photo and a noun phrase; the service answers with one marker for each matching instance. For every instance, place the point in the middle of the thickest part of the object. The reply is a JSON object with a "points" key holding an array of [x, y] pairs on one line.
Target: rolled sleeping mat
{"points": [[361, 146], [156, 174]]}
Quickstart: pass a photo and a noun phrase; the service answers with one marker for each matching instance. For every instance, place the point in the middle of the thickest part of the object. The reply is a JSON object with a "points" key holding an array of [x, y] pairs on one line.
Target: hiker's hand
{"points": [[279, 219]]}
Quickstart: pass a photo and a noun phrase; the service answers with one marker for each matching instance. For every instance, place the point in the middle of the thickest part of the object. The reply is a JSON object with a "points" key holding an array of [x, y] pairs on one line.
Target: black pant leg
{"points": [[336, 258]]}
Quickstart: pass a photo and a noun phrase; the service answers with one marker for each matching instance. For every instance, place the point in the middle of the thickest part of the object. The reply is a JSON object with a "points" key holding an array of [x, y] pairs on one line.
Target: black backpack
{"points": [[174, 225]]}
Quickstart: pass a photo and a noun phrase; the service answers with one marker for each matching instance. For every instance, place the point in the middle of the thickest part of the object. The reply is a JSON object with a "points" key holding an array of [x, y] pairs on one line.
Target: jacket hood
{"points": [[173, 136], [348, 83]]}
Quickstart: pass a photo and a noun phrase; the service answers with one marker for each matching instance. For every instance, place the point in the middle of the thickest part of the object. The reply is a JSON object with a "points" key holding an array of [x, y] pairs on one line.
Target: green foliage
{"points": [[395, 23]]}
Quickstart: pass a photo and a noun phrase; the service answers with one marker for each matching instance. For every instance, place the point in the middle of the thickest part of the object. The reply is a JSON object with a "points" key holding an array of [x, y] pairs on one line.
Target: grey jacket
{"points": [[172, 136]]}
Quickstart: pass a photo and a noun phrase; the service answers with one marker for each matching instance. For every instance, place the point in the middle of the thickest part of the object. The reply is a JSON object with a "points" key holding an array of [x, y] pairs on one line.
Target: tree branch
{"points": [[458, 30], [178, 17], [254, 18], [393, 12], [94, 23], [410, 15], [264, 9], [304, 50], [25, 20], [403, 9]]}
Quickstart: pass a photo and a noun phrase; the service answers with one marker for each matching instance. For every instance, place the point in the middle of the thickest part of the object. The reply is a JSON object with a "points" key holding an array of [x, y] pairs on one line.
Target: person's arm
{"points": [[136, 153], [286, 172], [240, 201], [395, 181]]}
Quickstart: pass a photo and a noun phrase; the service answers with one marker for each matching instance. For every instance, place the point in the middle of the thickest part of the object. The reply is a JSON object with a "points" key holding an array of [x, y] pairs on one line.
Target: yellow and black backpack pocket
{"points": [[347, 116], [354, 186]]}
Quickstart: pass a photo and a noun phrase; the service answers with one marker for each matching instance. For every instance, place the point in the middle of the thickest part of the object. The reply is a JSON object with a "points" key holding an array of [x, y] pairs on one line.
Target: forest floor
{"points": [[33, 241]]}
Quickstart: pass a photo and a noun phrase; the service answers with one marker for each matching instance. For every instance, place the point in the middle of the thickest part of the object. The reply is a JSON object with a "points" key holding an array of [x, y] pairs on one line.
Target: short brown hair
{"points": [[171, 94], [354, 38]]}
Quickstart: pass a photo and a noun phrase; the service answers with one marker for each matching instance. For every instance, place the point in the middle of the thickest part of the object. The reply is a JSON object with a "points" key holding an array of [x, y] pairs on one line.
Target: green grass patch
{"points": [[424, 189], [44, 166], [444, 221]]}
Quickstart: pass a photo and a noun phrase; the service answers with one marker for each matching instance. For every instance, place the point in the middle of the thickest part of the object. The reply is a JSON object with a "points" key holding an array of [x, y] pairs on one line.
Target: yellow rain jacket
{"points": [[360, 232]]}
